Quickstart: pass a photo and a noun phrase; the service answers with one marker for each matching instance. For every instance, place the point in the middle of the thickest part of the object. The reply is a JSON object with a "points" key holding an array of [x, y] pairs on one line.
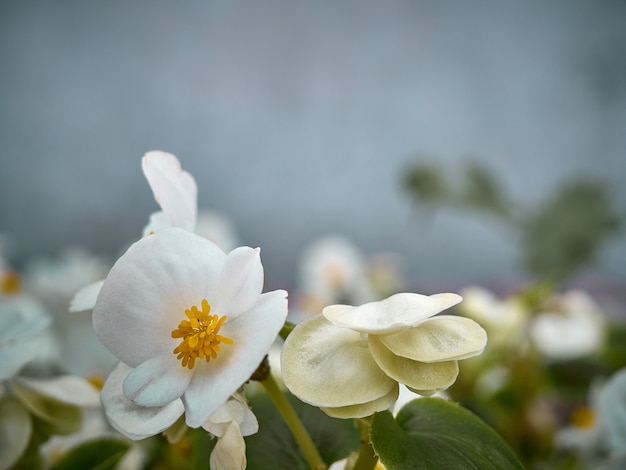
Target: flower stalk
{"points": [[367, 459], [293, 422]]}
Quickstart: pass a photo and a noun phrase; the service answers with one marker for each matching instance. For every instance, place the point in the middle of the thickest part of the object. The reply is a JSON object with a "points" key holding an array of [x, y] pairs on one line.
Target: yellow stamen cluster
{"points": [[583, 417], [200, 338], [10, 282]]}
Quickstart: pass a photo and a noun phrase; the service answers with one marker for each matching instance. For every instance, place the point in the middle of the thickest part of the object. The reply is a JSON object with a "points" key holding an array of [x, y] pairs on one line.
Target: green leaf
{"points": [[567, 232], [425, 183], [275, 447], [432, 433], [100, 454], [481, 192]]}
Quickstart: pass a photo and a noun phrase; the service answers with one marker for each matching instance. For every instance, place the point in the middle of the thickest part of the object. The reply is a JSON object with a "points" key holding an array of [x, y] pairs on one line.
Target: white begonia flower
{"points": [[190, 324], [569, 326], [349, 360]]}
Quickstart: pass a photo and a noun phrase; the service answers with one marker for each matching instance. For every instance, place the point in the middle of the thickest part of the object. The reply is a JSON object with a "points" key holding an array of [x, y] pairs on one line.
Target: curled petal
{"points": [[442, 338], [157, 381], [134, 421], [415, 375], [233, 411], [391, 314], [174, 189], [327, 366], [363, 410]]}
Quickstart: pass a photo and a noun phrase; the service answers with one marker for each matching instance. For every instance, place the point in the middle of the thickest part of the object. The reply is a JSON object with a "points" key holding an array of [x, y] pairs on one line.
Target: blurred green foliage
{"points": [[557, 238]]}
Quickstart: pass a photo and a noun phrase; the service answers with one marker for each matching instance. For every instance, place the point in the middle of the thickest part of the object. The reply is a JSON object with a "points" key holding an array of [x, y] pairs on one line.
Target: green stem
{"points": [[367, 459], [293, 422]]}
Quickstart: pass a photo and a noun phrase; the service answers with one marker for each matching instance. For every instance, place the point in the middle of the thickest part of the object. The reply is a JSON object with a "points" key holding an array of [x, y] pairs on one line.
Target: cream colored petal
{"points": [[415, 375], [332, 367], [363, 410], [230, 451], [391, 314], [441, 338]]}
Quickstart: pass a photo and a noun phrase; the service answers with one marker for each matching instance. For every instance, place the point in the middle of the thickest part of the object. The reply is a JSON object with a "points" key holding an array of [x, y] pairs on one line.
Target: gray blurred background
{"points": [[297, 119]]}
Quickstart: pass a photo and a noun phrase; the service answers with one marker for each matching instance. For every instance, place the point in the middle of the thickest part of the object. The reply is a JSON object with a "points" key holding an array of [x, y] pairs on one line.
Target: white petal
{"points": [[441, 338], [611, 407], [328, 366], [391, 314], [365, 409], [158, 221], [415, 375], [252, 333], [232, 411], [65, 388], [157, 381], [241, 282], [134, 421], [15, 431], [174, 189], [147, 291], [85, 298], [230, 451]]}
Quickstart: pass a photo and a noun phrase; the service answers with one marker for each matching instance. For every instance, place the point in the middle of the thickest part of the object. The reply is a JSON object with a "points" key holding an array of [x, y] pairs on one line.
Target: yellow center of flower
{"points": [[199, 335], [10, 283], [583, 417]]}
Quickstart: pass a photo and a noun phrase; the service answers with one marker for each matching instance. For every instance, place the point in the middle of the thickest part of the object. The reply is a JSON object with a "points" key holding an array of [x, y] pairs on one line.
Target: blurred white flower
{"points": [[504, 319], [188, 323], [24, 334], [611, 405], [597, 431], [349, 360], [332, 270], [54, 281], [569, 326], [23, 337]]}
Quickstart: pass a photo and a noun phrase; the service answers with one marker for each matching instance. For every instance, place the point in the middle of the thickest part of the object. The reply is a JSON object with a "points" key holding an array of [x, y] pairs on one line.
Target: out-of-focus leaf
{"points": [[482, 192], [425, 183], [100, 454], [432, 433], [568, 231]]}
